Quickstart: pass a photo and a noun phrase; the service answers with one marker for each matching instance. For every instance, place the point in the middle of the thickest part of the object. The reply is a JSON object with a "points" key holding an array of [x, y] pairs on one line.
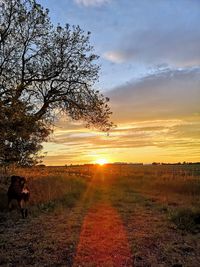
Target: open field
{"points": [[111, 215]]}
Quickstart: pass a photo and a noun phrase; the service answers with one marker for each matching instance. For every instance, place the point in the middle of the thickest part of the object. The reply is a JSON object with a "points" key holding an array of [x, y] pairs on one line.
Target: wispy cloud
{"points": [[115, 56], [157, 116], [157, 46], [129, 142], [88, 3], [169, 94], [168, 34]]}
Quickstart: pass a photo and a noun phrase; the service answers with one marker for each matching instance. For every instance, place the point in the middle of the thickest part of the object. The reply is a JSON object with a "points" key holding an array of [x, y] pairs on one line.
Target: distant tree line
{"points": [[176, 163]]}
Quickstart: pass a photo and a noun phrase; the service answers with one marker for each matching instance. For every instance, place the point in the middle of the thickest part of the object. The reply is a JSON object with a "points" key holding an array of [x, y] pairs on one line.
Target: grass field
{"points": [[111, 215]]}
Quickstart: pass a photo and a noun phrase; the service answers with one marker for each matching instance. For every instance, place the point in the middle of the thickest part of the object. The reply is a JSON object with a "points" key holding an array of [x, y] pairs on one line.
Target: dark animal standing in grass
{"points": [[20, 192]]}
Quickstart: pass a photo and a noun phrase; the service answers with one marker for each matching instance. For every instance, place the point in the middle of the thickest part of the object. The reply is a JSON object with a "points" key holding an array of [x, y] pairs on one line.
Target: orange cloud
{"points": [[158, 119]]}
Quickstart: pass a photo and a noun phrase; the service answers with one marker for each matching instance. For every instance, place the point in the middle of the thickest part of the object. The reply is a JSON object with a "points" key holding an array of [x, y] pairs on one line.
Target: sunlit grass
{"points": [[50, 188], [169, 186], [153, 203]]}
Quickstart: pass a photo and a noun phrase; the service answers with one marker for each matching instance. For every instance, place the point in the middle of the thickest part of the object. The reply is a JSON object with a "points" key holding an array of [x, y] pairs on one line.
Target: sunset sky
{"points": [[150, 68]]}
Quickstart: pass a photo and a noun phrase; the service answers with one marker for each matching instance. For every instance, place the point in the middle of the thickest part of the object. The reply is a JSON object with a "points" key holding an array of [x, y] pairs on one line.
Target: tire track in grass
{"points": [[103, 240]]}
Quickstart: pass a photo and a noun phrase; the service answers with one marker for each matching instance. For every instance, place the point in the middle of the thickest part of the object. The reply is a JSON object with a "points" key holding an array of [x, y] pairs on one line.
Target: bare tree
{"points": [[43, 70]]}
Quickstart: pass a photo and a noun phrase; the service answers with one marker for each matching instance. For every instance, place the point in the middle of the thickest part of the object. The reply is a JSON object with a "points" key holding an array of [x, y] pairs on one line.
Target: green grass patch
{"points": [[186, 219]]}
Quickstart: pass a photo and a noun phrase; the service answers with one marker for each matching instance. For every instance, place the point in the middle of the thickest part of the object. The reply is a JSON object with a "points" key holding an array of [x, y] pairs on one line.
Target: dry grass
{"points": [[173, 189], [169, 184], [157, 206], [50, 188]]}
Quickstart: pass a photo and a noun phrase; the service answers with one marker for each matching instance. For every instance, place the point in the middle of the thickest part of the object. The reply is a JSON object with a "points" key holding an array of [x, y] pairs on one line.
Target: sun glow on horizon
{"points": [[101, 161]]}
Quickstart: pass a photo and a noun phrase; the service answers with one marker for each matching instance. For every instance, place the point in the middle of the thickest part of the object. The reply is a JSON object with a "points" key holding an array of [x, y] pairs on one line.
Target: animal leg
{"points": [[20, 203], [26, 213], [9, 204], [25, 209]]}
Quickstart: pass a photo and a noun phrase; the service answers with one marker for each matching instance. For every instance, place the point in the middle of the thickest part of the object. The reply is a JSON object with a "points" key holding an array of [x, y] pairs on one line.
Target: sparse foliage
{"points": [[43, 70]]}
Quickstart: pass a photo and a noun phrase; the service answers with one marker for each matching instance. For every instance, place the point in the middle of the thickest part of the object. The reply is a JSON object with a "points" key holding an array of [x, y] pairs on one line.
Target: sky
{"points": [[150, 68]]}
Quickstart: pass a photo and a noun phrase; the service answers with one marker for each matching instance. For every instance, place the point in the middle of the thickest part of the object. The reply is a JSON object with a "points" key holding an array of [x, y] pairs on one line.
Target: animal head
{"points": [[18, 180]]}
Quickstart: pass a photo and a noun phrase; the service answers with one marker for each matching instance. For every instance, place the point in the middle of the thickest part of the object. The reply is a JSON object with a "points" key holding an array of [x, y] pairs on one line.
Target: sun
{"points": [[101, 161]]}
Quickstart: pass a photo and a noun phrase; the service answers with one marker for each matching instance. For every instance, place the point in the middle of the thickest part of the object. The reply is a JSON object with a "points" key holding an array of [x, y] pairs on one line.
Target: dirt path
{"points": [[103, 240]]}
